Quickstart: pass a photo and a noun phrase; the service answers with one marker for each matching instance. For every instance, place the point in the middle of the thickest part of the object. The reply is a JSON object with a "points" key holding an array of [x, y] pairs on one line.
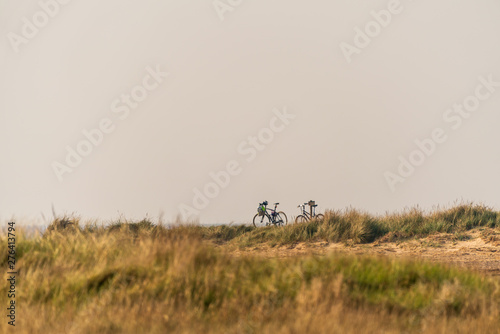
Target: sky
{"points": [[203, 109]]}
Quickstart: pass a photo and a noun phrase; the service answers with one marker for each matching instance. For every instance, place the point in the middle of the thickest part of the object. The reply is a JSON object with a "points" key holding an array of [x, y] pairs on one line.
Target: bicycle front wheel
{"points": [[283, 218], [301, 219], [259, 221], [320, 217]]}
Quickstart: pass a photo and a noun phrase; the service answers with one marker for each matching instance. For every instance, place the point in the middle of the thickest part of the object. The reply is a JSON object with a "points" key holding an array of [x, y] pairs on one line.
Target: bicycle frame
{"points": [[273, 215], [308, 214]]}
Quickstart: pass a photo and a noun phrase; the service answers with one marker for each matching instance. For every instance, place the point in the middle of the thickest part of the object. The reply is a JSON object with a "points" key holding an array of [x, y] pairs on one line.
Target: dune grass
{"points": [[337, 226], [359, 227], [145, 278], [141, 278]]}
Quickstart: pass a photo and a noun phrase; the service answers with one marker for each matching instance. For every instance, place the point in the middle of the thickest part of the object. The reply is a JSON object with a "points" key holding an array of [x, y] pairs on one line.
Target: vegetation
{"points": [[358, 227], [144, 278]]}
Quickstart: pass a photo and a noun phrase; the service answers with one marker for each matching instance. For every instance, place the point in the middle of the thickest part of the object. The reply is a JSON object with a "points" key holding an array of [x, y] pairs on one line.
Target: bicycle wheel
{"points": [[320, 217], [283, 217], [301, 219], [259, 221]]}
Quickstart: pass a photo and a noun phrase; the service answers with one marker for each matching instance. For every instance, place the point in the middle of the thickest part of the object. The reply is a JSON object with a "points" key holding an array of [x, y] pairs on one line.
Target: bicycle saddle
{"points": [[276, 204]]}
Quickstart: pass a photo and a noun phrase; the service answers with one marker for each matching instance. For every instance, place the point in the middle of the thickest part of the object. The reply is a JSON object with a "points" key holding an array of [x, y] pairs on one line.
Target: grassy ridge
{"points": [[141, 278], [359, 227], [338, 226]]}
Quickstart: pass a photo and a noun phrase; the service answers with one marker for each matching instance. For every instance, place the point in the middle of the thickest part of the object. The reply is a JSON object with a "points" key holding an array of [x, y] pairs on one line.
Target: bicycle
{"points": [[308, 216], [263, 218]]}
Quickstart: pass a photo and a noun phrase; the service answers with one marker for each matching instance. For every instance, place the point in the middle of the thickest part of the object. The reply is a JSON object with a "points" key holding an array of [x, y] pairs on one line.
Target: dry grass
{"points": [[353, 226], [142, 278]]}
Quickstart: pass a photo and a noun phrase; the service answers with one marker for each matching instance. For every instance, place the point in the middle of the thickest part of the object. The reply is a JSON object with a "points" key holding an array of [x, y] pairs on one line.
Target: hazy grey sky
{"points": [[358, 102]]}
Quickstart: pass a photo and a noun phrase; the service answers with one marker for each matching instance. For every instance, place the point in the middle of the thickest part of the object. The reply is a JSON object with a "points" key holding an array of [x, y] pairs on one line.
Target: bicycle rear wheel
{"points": [[259, 221]]}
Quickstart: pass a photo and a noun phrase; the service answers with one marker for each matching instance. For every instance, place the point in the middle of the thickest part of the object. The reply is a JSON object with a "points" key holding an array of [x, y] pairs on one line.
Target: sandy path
{"points": [[478, 250]]}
